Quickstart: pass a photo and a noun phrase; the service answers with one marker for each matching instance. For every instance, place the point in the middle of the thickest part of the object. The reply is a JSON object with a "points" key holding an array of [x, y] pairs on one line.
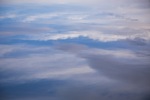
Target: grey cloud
{"points": [[139, 42], [140, 46], [22, 29], [142, 4], [71, 47], [38, 63], [133, 72], [137, 74], [96, 92]]}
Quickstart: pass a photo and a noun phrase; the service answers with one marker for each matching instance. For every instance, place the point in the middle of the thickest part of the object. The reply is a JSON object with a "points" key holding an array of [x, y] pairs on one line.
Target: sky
{"points": [[74, 50]]}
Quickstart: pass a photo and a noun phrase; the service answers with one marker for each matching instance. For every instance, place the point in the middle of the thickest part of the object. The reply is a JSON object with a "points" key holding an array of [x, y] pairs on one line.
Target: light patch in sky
{"points": [[95, 35]]}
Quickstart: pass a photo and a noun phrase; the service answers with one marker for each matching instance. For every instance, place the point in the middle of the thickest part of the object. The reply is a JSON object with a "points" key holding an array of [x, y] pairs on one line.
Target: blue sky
{"points": [[74, 50]]}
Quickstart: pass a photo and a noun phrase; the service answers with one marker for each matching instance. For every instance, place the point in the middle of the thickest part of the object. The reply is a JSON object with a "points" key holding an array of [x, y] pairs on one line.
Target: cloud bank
{"points": [[74, 50]]}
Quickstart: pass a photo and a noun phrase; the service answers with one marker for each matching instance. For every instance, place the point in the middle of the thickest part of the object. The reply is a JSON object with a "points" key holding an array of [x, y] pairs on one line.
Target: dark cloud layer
{"points": [[98, 93], [131, 72], [131, 75], [66, 90]]}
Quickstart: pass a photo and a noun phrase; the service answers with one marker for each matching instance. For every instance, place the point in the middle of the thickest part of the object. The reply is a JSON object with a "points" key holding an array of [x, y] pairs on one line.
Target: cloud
{"points": [[92, 73], [41, 16], [124, 66], [52, 2], [137, 74], [76, 1], [8, 16], [39, 63], [95, 35], [124, 22], [97, 92], [17, 28]]}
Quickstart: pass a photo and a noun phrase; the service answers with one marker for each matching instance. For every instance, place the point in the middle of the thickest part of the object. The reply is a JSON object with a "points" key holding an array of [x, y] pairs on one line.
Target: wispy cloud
{"points": [[41, 16], [34, 64], [95, 35], [8, 16]]}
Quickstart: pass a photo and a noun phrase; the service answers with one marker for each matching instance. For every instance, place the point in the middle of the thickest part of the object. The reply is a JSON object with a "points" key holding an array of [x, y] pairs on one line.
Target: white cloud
{"points": [[8, 16], [40, 16], [95, 35]]}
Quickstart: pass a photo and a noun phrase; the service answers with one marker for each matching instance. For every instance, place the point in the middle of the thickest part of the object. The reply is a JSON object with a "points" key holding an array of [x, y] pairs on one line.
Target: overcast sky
{"points": [[74, 50]]}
